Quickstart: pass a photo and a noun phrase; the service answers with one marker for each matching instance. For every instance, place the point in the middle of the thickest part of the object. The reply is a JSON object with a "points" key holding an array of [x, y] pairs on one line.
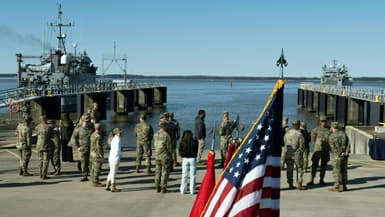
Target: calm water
{"points": [[186, 97]]}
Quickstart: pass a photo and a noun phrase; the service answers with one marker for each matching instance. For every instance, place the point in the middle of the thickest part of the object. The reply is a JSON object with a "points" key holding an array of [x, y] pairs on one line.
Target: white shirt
{"points": [[115, 149]]}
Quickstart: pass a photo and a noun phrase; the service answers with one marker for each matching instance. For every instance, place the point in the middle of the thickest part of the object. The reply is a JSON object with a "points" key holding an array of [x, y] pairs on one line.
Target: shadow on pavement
{"points": [[22, 184]]}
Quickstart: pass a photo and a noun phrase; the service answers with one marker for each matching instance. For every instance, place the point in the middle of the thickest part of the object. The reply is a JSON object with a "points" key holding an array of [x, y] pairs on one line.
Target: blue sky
{"points": [[212, 37]]}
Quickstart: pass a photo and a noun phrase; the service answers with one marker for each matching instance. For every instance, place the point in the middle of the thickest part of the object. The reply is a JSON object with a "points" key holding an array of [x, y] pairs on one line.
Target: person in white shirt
{"points": [[114, 159]]}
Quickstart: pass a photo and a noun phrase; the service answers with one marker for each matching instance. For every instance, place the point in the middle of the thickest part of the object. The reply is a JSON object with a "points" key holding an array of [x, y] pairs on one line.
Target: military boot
{"points": [[344, 188], [157, 189], [334, 189], [26, 173], [57, 173], [300, 186], [164, 190], [311, 182], [97, 184], [108, 186], [321, 182], [137, 170], [291, 186], [113, 188], [84, 179], [20, 171]]}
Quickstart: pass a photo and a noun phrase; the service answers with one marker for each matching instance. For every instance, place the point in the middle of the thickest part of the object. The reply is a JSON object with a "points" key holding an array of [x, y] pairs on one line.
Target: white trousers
{"points": [[114, 165], [189, 168]]}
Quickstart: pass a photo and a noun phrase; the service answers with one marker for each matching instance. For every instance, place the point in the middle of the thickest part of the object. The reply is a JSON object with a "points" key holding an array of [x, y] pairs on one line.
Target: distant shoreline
{"points": [[130, 77]]}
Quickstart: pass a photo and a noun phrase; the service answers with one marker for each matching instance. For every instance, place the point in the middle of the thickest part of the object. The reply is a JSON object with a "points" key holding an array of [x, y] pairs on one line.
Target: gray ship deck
{"points": [[66, 196]]}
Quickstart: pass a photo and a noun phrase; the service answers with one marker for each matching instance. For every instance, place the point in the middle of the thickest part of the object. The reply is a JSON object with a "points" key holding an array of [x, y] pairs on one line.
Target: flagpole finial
{"points": [[281, 62]]}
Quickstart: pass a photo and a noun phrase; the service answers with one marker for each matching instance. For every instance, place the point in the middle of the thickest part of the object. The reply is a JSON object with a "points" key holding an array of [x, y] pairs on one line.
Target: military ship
{"points": [[57, 69], [336, 74]]}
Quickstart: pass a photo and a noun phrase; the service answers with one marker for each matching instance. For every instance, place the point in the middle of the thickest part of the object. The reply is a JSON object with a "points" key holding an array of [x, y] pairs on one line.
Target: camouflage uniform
{"points": [[162, 144], [144, 134], [320, 140], [285, 128], [294, 148], [95, 113], [306, 136], [44, 145], [81, 138], [339, 144], [225, 131], [24, 138], [176, 130], [96, 156], [55, 150]]}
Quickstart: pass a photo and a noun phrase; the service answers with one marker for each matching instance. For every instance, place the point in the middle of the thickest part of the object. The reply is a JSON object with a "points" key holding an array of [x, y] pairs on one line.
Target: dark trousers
{"points": [[66, 153]]}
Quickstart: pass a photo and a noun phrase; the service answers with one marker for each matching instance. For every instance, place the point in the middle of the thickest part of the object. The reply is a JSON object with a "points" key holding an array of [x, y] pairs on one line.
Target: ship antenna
{"points": [[281, 62], [61, 37]]}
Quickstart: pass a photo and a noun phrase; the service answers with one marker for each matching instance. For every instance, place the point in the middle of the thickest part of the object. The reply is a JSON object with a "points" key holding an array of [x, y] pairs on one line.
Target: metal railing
{"points": [[362, 93], [28, 93]]}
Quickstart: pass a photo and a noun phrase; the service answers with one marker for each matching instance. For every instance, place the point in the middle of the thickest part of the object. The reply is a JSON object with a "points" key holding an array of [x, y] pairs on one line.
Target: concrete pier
{"points": [[52, 100], [348, 105]]}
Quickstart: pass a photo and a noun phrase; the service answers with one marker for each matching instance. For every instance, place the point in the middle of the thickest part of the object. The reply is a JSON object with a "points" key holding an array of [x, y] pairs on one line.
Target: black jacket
{"points": [[189, 150]]}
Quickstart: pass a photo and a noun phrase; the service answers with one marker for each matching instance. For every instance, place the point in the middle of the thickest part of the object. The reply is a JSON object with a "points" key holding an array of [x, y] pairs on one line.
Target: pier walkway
{"points": [[361, 93], [19, 95], [66, 196]]}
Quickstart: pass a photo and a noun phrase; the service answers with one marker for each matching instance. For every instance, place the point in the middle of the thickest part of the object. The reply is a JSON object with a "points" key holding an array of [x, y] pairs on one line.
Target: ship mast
{"points": [[61, 36]]}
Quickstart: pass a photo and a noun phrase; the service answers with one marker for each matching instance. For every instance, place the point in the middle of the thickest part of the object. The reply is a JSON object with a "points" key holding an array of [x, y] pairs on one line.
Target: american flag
{"points": [[250, 185]]}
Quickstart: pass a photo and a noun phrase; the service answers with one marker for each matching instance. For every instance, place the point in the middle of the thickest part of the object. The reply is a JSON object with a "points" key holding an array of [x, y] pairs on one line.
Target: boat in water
{"points": [[336, 74], [57, 69]]}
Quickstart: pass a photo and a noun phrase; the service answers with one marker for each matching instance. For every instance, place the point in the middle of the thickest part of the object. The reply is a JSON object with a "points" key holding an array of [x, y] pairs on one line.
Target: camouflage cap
{"points": [[295, 122], [334, 124], [323, 118], [86, 117], [225, 113]]}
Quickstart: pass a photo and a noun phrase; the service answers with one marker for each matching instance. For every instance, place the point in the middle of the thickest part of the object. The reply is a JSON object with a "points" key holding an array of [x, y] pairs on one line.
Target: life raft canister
{"points": [[14, 107]]}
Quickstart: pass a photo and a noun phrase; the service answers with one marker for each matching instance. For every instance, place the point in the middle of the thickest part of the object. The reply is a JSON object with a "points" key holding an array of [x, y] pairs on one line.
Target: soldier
{"points": [[294, 148], [285, 128], [225, 131], [340, 147], [320, 140], [44, 134], [95, 113], [200, 133], [96, 155], [26, 110], [162, 143], [144, 134], [177, 136], [24, 138], [66, 129], [82, 142], [306, 136], [55, 148]]}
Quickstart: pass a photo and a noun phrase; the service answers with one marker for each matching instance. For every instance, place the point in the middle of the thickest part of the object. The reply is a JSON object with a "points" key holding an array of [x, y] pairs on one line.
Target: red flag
{"points": [[207, 186], [230, 153], [250, 184]]}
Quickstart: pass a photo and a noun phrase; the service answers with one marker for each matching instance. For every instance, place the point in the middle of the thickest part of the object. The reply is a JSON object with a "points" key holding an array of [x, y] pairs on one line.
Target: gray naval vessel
{"points": [[336, 74], [57, 69]]}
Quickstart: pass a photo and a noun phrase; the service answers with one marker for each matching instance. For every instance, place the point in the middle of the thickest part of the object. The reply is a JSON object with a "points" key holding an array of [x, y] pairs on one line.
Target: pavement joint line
{"points": [[12, 153]]}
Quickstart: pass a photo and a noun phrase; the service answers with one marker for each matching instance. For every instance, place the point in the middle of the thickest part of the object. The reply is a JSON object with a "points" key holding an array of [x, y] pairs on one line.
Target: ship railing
{"points": [[363, 93]]}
